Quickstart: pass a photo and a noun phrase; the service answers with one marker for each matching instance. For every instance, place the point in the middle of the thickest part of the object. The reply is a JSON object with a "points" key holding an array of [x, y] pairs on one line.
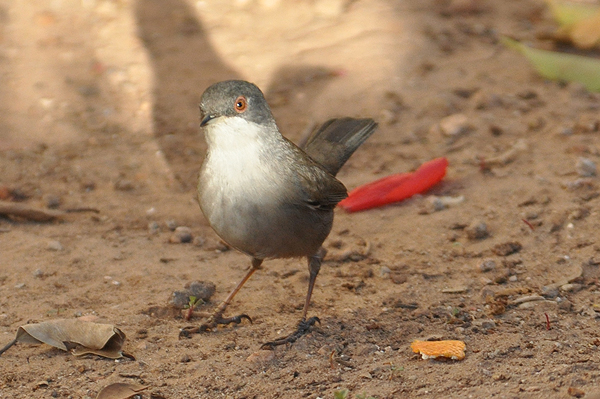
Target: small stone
{"points": [[153, 228], [202, 289], [88, 186], [566, 305], [171, 224], [488, 324], [19, 286], [38, 273], [54, 246], [398, 278], [540, 305], [436, 203], [571, 287], [142, 345], [261, 356], [576, 392], [550, 292], [485, 324], [507, 248], [454, 125], [185, 358], [123, 185], [52, 201], [513, 278], [222, 246], [487, 265], [477, 230], [199, 241], [181, 235], [384, 272], [585, 167], [179, 299], [487, 101]]}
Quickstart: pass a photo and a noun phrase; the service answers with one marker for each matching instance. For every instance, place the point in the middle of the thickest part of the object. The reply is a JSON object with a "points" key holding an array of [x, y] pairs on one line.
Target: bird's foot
{"points": [[215, 320], [302, 329]]}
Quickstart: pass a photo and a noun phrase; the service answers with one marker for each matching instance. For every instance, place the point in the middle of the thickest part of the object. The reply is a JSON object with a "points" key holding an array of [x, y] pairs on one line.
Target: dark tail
{"points": [[336, 141]]}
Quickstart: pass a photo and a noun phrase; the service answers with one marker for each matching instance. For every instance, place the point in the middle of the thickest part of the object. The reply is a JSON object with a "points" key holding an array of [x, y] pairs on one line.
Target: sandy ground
{"points": [[98, 109]]}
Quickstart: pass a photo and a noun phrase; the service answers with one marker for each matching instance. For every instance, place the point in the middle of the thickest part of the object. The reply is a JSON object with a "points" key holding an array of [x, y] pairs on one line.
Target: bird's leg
{"points": [[217, 317], [314, 265]]}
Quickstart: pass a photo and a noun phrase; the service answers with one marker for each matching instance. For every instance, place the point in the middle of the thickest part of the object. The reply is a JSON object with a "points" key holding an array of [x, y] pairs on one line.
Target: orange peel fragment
{"points": [[454, 350]]}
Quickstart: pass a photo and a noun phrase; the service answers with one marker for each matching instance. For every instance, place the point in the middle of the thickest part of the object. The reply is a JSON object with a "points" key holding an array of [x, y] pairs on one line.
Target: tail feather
{"points": [[336, 141]]}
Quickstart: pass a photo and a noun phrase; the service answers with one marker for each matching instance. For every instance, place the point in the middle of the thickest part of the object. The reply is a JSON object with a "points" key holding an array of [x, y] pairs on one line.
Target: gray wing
{"points": [[336, 141]]}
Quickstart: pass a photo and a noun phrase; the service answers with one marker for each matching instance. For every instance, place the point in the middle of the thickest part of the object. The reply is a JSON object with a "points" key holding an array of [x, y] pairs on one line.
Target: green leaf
{"points": [[559, 66]]}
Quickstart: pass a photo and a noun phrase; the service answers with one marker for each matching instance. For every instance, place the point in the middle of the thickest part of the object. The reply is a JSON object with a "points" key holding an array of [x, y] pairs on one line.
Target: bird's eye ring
{"points": [[240, 104]]}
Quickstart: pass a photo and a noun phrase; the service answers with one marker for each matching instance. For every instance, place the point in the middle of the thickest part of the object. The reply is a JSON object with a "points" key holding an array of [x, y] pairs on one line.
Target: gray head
{"points": [[234, 98]]}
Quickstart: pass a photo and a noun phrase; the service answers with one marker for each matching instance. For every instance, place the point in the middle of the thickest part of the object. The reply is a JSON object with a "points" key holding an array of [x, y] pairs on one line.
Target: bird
{"points": [[265, 196]]}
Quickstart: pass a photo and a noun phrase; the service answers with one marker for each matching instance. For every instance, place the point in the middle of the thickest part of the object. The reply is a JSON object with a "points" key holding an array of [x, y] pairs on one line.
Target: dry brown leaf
{"points": [[79, 337], [120, 390]]}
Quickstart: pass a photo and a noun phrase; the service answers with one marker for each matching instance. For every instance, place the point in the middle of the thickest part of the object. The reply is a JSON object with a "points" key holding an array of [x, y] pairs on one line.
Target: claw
{"points": [[235, 319], [214, 321], [186, 332], [302, 329]]}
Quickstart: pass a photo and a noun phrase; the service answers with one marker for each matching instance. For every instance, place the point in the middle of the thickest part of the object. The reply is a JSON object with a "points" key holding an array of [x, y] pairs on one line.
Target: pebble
{"points": [[585, 167], [88, 185], [179, 299], [38, 273], [550, 292], [171, 224], [486, 100], [454, 125], [52, 201], [477, 230], [153, 228], [485, 324], [185, 359], [202, 289], [571, 287], [539, 305], [181, 235], [507, 248], [54, 246], [261, 356], [20, 285], [384, 272], [513, 278], [124, 185], [486, 265], [199, 241]]}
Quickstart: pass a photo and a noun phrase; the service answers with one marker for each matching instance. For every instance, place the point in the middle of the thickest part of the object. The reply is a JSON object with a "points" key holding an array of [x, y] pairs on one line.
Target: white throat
{"points": [[235, 150]]}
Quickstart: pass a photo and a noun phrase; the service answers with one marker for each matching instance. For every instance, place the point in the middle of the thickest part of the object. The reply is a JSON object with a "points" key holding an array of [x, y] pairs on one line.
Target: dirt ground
{"points": [[98, 109]]}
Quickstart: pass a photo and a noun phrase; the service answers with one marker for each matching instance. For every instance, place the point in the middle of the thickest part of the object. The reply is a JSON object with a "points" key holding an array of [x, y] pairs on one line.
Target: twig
{"points": [[11, 343], [28, 212], [528, 224]]}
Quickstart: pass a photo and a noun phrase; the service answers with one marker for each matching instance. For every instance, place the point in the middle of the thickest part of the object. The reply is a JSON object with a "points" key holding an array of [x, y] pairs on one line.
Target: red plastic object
{"points": [[397, 187]]}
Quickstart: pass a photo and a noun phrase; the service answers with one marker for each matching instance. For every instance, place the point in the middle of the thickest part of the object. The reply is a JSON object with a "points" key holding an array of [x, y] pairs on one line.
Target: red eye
{"points": [[240, 104]]}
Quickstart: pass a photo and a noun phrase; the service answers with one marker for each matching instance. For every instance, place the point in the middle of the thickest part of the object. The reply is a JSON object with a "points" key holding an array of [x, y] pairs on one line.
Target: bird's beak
{"points": [[206, 120]]}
